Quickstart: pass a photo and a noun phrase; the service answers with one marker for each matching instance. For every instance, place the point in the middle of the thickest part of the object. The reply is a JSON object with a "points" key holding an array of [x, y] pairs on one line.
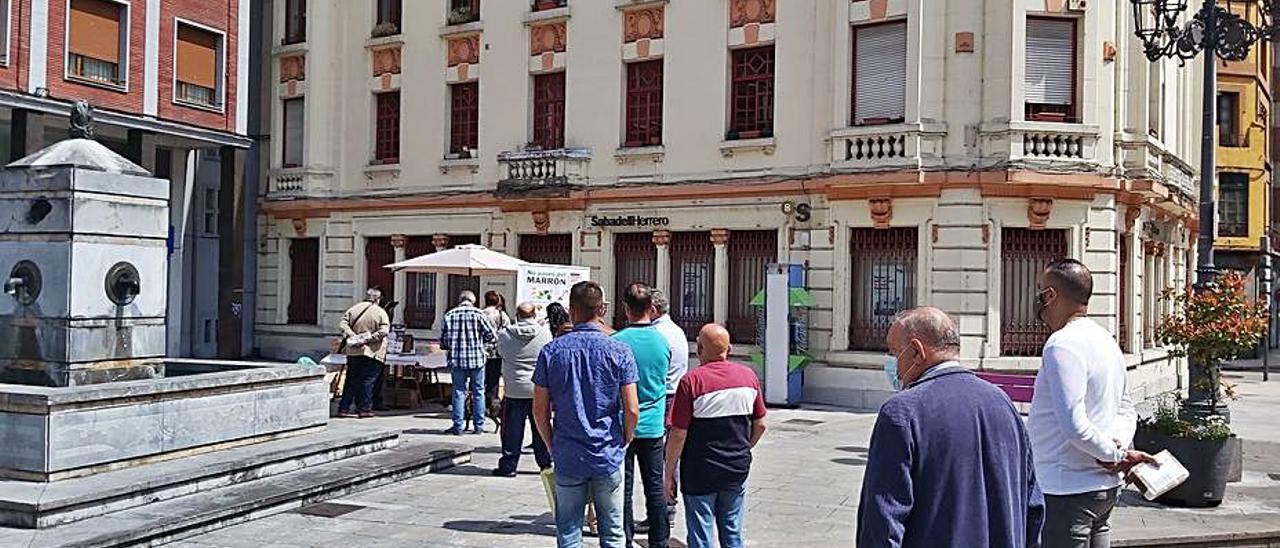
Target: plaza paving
{"points": [[803, 492]]}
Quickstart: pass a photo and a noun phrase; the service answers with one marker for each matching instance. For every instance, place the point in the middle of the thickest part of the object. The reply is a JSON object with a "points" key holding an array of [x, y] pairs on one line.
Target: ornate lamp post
{"points": [[1217, 32]]}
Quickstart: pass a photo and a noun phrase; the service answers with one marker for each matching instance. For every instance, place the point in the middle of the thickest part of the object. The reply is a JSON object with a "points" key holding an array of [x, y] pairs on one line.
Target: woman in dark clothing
{"points": [[558, 319]]}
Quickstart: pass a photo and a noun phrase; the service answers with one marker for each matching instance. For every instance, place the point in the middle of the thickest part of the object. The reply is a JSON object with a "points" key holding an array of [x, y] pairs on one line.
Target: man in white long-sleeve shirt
{"points": [[1081, 420]]}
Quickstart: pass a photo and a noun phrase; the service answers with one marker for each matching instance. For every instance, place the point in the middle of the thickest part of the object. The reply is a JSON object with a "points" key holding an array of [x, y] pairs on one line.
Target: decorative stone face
{"points": [[386, 60], [661, 237], [440, 241], [881, 212], [300, 227], [1131, 215], [546, 38], [742, 12], [719, 236], [1038, 211], [541, 222], [464, 50], [642, 23], [293, 67], [398, 240]]}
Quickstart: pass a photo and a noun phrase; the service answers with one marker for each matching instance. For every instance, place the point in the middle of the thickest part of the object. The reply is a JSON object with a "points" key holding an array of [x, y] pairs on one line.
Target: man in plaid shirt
{"points": [[464, 334]]}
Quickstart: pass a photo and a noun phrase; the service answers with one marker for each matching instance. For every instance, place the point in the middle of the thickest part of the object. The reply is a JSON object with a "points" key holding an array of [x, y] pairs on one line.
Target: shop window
{"points": [[644, 104], [548, 110], [457, 284], [693, 262], [1229, 134], [294, 124], [198, 66], [95, 41], [387, 130], [1024, 255], [547, 248], [463, 11], [635, 259], [751, 94], [1049, 84], [750, 251], [420, 287], [388, 21], [883, 282], [378, 253], [1233, 204], [464, 119], [879, 74], [6, 11], [304, 280], [295, 22]]}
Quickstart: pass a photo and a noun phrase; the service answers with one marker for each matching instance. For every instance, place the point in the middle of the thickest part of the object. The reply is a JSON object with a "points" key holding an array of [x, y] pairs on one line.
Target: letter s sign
{"points": [[804, 212]]}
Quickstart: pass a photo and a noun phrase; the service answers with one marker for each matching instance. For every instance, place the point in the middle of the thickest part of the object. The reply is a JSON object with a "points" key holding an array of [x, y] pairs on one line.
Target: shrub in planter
{"points": [[1206, 448]]}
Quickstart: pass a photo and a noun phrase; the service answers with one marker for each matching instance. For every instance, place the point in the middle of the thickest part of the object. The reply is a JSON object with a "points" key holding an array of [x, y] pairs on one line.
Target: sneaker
{"points": [[453, 432], [498, 472]]}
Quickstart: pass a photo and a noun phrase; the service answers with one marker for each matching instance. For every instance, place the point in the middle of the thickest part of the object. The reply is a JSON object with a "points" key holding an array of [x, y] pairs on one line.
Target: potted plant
{"points": [[384, 29], [1209, 326], [460, 14]]}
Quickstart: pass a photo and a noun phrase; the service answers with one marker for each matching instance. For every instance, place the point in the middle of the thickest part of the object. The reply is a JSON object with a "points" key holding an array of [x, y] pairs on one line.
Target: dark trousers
{"points": [[492, 374], [515, 413], [379, 385], [362, 374], [671, 403], [1079, 521], [650, 453]]}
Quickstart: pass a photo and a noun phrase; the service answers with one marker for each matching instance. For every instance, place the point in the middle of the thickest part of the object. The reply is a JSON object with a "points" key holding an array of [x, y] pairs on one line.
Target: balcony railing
{"points": [[889, 146], [1142, 156], [538, 170], [1041, 143], [297, 182]]}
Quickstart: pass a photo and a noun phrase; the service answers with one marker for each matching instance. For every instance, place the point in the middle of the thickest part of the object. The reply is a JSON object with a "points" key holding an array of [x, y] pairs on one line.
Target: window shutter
{"points": [[95, 29], [881, 72], [197, 57], [1050, 63], [294, 119]]}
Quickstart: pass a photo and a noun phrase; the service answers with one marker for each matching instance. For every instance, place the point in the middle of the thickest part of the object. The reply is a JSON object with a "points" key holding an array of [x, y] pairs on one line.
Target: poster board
{"points": [[543, 284]]}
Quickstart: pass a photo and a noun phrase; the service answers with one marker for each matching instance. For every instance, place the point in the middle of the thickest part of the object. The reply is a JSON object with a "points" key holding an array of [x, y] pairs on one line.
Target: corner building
{"points": [[908, 152]]}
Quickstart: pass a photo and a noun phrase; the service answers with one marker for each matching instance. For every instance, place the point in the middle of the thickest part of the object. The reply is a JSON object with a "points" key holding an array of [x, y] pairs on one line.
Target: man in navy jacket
{"points": [[950, 462]]}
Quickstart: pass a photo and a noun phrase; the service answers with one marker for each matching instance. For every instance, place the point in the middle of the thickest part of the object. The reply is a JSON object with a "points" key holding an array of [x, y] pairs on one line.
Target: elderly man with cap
{"points": [[950, 462]]}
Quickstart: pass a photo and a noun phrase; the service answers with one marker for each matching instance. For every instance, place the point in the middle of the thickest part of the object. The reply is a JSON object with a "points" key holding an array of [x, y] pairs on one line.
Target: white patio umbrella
{"points": [[464, 260]]}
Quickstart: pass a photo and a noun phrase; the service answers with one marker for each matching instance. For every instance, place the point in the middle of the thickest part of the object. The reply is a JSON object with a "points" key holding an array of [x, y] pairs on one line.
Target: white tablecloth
{"points": [[435, 360]]}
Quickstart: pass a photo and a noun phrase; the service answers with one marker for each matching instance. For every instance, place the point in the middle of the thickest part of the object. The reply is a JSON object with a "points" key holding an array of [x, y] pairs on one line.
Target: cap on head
{"points": [[1071, 280]]}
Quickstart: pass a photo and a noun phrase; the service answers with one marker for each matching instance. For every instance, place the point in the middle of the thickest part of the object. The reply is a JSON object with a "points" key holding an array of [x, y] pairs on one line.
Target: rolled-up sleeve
{"points": [[887, 489]]}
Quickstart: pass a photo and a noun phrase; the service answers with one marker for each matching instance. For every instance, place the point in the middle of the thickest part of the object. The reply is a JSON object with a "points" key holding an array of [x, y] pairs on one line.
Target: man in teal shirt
{"points": [[653, 358]]}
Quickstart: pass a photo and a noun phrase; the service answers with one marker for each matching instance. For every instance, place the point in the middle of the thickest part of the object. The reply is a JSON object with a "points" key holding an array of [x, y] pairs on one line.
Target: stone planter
{"points": [[1208, 461]]}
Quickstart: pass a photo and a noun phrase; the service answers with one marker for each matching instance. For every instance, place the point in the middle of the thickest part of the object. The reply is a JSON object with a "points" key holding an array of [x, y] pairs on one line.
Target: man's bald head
{"points": [[525, 311], [932, 327], [713, 343]]}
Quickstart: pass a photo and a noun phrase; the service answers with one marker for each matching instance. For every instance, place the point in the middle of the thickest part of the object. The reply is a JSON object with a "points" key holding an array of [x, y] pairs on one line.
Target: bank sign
{"points": [[543, 284], [629, 220]]}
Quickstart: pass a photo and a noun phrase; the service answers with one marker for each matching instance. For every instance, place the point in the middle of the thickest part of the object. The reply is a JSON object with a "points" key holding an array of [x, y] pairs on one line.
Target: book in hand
{"points": [[1157, 479]]}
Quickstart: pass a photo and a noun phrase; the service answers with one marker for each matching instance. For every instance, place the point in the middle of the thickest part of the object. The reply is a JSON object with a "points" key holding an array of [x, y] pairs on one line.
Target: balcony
{"points": [[1145, 157], [1042, 144], [295, 182], [896, 146], [543, 171]]}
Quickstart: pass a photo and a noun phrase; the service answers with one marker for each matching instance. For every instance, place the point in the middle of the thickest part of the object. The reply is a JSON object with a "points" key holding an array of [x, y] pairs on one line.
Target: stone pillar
{"points": [[141, 148], [26, 135], [720, 284], [662, 241], [441, 243], [401, 284]]}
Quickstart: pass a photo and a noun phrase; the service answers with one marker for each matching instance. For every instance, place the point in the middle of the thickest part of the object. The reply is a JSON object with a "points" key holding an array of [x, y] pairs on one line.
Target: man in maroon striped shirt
{"points": [[718, 417]]}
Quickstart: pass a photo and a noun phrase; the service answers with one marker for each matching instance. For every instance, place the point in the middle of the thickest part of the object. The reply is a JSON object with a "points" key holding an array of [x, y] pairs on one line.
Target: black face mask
{"points": [[1042, 303]]}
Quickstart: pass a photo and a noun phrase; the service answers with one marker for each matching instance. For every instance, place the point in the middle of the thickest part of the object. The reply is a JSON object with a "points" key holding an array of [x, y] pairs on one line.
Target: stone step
{"points": [[206, 511], [40, 505]]}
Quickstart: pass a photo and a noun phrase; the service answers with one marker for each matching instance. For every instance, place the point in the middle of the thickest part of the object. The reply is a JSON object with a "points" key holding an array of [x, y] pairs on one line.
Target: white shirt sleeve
{"points": [[1065, 386], [1126, 422]]}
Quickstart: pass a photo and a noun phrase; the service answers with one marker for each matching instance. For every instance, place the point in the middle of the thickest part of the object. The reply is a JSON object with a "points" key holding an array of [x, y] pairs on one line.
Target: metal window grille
{"points": [[1024, 254], [547, 248], [548, 110], [387, 134], [1049, 82], [378, 253], [389, 11], [883, 282], [459, 283], [644, 104], [750, 251], [94, 69], [752, 93], [295, 21], [304, 280], [420, 288], [1149, 289], [635, 259], [693, 261], [1124, 293], [464, 117], [1233, 204]]}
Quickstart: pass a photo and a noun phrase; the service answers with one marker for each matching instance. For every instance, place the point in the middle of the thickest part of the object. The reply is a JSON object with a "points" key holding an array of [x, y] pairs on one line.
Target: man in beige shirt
{"points": [[365, 328]]}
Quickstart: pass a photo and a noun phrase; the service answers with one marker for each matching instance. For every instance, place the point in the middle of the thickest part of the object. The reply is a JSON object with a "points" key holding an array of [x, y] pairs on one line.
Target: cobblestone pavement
{"points": [[803, 492]]}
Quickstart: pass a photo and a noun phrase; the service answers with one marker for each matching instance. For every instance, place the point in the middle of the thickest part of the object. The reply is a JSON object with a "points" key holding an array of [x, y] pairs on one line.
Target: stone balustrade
{"points": [[1044, 144], [532, 170], [909, 146]]}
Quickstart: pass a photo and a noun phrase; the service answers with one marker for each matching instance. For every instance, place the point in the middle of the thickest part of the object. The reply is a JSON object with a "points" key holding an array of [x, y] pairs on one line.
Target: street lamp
{"points": [[1219, 33]]}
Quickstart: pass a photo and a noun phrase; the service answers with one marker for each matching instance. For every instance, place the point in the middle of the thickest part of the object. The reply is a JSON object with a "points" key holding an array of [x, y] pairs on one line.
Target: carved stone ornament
{"points": [[642, 23], [1131, 215], [742, 12], [661, 237], [546, 38], [81, 121], [964, 42], [293, 67], [541, 222], [386, 60], [440, 241], [398, 240], [1038, 211], [464, 50], [300, 226], [719, 236], [881, 212]]}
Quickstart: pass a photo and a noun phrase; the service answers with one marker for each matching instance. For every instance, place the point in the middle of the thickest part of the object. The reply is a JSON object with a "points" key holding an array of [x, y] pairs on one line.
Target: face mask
{"points": [[891, 372]]}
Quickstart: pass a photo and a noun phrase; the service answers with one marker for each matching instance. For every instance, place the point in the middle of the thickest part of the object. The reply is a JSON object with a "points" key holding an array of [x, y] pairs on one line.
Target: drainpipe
{"points": [[254, 172]]}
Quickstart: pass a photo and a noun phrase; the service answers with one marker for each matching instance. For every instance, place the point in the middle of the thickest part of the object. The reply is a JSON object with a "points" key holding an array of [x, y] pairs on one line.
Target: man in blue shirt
{"points": [[653, 358], [586, 409], [464, 334]]}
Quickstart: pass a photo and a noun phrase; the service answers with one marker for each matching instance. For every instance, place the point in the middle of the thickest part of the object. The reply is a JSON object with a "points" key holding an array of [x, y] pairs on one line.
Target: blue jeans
{"points": [[460, 379], [571, 503], [720, 511], [650, 454]]}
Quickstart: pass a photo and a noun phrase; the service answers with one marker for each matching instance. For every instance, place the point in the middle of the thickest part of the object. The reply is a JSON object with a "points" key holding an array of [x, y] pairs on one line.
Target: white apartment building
{"points": [[907, 152]]}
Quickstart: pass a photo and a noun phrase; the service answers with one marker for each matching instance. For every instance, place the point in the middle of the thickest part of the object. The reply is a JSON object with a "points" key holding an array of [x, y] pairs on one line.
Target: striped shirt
{"points": [[464, 334], [717, 403]]}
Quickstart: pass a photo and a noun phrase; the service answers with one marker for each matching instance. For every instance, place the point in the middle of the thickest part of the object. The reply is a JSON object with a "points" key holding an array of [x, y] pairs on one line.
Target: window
{"points": [[198, 66], [750, 251], [644, 104], [1233, 204], [547, 249], [464, 119], [294, 122], [1124, 293], [751, 97], [304, 280], [420, 288], [693, 261], [463, 11], [386, 147], [378, 253], [883, 282], [295, 22], [1229, 119], [879, 74], [1024, 254], [95, 41], [389, 12], [540, 5], [548, 110], [1155, 98], [211, 211], [7, 13], [635, 259], [458, 283], [1049, 84]]}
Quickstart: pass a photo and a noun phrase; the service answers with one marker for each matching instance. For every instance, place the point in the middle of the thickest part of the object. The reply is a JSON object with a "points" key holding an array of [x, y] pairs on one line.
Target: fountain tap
{"points": [[12, 285]]}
